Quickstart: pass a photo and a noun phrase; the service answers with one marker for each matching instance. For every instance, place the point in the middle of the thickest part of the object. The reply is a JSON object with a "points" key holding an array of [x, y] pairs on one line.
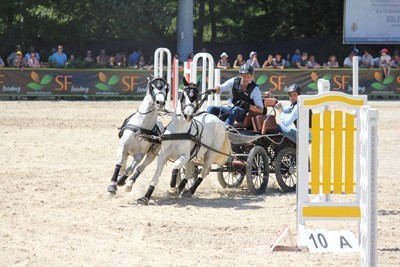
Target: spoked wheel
{"points": [[285, 169], [229, 179], [257, 170]]}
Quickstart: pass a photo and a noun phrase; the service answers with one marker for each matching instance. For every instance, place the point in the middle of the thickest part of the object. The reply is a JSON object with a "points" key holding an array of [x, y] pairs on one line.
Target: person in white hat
{"points": [[253, 60], [384, 62], [223, 63]]}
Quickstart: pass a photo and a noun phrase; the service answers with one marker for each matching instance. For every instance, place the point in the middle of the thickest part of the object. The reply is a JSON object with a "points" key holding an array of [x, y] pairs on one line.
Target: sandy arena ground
{"points": [[57, 159]]}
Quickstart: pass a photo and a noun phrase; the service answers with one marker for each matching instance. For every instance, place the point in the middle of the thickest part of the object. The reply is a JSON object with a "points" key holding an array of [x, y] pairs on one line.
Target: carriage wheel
{"points": [[229, 179], [285, 169], [257, 170]]}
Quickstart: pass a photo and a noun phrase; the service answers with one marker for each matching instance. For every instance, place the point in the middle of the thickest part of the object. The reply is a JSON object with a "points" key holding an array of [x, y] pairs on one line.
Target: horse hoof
{"points": [[187, 194], [172, 193], [121, 180], [112, 189], [129, 185], [143, 201]]}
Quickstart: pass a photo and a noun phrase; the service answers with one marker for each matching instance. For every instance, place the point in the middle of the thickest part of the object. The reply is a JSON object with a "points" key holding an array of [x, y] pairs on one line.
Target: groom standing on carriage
{"points": [[245, 96]]}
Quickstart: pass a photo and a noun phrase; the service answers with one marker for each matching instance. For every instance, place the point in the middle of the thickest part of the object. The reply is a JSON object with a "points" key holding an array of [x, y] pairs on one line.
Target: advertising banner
{"points": [[132, 83], [371, 21]]}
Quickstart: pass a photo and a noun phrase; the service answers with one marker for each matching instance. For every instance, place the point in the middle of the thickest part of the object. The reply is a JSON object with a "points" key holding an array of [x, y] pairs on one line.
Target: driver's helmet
{"points": [[294, 88], [246, 68]]}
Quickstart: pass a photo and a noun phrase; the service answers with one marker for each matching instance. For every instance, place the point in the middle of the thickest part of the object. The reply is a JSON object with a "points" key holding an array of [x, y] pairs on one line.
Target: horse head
{"points": [[158, 89], [189, 100]]}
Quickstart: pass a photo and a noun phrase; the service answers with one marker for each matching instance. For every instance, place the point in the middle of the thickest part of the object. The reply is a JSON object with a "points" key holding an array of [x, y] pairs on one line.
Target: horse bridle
{"points": [[159, 84], [192, 93]]}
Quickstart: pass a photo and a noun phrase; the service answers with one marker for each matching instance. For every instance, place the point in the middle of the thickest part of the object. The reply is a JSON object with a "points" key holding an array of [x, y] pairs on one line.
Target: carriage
{"points": [[252, 149], [258, 149]]}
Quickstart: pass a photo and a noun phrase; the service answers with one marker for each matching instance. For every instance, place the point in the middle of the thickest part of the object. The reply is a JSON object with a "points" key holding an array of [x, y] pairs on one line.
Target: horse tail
{"points": [[226, 148]]}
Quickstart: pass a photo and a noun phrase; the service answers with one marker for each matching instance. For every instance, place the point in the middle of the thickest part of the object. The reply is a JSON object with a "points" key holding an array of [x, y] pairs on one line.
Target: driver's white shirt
{"points": [[255, 94]]}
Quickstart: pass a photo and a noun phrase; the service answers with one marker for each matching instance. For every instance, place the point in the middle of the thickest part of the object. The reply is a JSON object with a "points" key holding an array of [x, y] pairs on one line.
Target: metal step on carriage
{"points": [[258, 149]]}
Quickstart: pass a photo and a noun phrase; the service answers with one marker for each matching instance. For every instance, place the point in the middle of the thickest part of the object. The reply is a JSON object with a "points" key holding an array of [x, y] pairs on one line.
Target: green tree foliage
{"points": [[24, 21], [265, 20]]}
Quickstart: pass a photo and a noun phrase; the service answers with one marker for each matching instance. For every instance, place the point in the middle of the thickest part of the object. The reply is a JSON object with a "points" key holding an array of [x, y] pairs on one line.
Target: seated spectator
{"points": [[302, 63], [88, 60], [223, 63], [71, 63], [102, 59], [111, 62], [239, 61], [19, 62], [124, 62], [312, 63], [133, 59], [59, 59], [28, 55], [11, 58], [348, 61], [141, 63], [376, 62], [50, 57], [296, 57], [33, 62], [150, 63], [288, 60], [118, 58], [395, 62], [269, 63], [332, 62], [2, 65], [367, 60], [384, 62], [279, 62], [253, 61]]}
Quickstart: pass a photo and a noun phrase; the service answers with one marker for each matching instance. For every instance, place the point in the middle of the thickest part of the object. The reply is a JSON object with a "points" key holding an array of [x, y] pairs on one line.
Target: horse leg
{"points": [[162, 159], [149, 158], [203, 174], [121, 162], [137, 158], [112, 188], [173, 191]]}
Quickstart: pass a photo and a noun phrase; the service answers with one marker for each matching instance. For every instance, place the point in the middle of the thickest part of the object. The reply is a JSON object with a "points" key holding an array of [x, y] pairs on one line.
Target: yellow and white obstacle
{"points": [[343, 166]]}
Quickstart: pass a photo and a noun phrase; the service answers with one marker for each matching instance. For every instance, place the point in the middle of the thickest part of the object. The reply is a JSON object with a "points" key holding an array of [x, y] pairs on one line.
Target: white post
{"points": [[217, 80], [159, 67], [186, 71], [323, 86], [368, 185], [204, 57], [355, 75], [175, 84]]}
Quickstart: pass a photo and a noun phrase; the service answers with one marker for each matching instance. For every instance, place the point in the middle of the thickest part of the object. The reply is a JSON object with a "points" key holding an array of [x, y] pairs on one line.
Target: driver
{"points": [[244, 96], [289, 115]]}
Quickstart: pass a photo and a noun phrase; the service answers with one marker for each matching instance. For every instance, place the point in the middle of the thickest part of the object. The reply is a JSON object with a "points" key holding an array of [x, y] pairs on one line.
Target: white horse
{"points": [[131, 142], [188, 137]]}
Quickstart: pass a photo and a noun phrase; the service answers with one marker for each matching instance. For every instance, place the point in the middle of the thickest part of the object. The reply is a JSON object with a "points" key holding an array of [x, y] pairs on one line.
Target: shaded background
{"points": [[266, 26]]}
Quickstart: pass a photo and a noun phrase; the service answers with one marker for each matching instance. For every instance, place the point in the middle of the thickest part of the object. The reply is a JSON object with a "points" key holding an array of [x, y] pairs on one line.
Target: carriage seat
{"points": [[247, 123], [266, 123]]}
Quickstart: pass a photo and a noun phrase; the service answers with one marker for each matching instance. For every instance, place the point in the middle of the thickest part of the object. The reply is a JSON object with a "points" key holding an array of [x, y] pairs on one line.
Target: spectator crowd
{"points": [[57, 58]]}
